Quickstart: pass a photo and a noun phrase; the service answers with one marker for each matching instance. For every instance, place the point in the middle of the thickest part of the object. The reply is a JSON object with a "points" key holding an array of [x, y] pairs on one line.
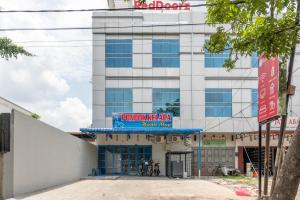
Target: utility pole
{"points": [[259, 161], [267, 152]]}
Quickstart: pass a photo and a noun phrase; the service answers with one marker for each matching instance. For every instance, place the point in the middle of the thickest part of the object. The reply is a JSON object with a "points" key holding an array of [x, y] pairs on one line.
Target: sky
{"points": [[56, 82]]}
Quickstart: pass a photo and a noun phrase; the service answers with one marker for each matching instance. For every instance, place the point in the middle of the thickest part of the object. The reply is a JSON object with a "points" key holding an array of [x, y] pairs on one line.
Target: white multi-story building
{"points": [[153, 61]]}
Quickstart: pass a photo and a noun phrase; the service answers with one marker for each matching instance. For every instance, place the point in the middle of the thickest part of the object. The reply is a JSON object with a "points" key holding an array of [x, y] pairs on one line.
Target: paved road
{"points": [[126, 188]]}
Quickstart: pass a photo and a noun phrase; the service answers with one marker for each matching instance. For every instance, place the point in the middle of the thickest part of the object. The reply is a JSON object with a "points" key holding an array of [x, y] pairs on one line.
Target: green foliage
{"points": [[9, 50], [35, 116], [252, 26]]}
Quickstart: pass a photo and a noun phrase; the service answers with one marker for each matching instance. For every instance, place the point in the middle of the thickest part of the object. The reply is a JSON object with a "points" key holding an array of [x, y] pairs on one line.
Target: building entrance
{"points": [[179, 164], [122, 159]]}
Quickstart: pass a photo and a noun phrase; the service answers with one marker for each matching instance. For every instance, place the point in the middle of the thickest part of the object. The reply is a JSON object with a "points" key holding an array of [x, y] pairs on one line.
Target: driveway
{"points": [[136, 188]]}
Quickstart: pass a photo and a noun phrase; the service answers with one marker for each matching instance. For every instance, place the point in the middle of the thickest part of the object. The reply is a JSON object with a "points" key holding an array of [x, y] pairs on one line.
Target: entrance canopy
{"points": [[141, 130]]}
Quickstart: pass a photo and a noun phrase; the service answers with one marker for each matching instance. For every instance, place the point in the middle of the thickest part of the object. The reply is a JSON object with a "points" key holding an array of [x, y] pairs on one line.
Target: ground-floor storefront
{"points": [[130, 148], [176, 155], [247, 150]]}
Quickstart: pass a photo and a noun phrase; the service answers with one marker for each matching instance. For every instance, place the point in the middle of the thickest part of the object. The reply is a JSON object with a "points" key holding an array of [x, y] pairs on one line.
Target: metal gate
{"points": [[122, 159], [179, 162], [213, 157]]}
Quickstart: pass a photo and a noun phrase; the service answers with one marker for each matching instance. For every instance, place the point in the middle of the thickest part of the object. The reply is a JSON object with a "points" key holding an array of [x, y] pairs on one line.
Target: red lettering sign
{"points": [[268, 78], [159, 5]]}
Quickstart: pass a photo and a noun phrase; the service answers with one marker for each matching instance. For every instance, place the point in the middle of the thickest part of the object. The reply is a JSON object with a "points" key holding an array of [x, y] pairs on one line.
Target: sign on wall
{"points": [[291, 123], [162, 5], [268, 89], [137, 120]]}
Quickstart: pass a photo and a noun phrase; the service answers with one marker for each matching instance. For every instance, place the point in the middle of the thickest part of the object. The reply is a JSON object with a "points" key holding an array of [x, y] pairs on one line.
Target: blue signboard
{"points": [[138, 120]]}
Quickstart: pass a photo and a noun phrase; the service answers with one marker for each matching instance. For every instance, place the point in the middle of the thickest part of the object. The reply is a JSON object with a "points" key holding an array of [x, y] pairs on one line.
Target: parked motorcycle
{"points": [[156, 169], [140, 169], [150, 168]]}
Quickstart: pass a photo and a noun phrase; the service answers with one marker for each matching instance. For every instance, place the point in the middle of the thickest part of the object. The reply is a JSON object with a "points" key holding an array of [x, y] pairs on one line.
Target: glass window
{"points": [[165, 53], [254, 102], [166, 100], [117, 100], [118, 53], [218, 102], [214, 60], [254, 60]]}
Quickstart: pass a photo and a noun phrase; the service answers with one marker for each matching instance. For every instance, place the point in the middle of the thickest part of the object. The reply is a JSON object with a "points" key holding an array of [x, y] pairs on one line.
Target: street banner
{"points": [[138, 120], [268, 89]]}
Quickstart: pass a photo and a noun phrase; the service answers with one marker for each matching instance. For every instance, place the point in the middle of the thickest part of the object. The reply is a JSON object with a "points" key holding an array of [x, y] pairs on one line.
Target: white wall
{"points": [[44, 156], [6, 106]]}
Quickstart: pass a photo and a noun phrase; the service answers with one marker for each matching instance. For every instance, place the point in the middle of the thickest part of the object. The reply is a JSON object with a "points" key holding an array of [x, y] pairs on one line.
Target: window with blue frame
{"points": [[165, 53], [166, 100], [254, 60], [215, 60], [218, 102], [254, 100], [118, 53], [117, 100]]}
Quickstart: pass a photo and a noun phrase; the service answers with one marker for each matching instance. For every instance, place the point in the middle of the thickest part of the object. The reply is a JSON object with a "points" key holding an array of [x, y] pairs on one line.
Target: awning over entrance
{"points": [[147, 130]]}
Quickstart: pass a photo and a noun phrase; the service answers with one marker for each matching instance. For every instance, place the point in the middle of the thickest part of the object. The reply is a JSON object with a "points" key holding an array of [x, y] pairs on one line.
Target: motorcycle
{"points": [[150, 168], [156, 169], [141, 169]]}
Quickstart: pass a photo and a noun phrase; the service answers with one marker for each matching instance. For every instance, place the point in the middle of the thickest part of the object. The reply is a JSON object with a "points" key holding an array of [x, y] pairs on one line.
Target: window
{"points": [[254, 60], [218, 102], [165, 53], [213, 60], [118, 53], [117, 100], [254, 102], [166, 100]]}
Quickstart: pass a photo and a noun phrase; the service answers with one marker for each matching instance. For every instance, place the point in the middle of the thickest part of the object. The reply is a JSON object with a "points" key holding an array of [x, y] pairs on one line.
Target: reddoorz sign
{"points": [[160, 5]]}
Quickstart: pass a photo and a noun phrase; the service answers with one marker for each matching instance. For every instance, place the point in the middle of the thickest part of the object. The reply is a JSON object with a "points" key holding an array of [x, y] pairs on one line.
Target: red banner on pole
{"points": [[268, 89]]}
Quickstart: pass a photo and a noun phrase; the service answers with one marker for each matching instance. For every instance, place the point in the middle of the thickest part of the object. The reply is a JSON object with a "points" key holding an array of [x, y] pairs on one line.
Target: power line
{"points": [[112, 27], [119, 27], [116, 9], [229, 118]]}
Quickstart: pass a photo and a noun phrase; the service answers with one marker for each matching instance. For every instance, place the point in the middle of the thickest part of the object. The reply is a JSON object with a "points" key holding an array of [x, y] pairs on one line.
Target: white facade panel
{"points": [[99, 97], [185, 97], [99, 67], [185, 83], [98, 82], [147, 60], [147, 108]]}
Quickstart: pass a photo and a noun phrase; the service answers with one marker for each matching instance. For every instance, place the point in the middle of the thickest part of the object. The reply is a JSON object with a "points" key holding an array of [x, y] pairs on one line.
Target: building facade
{"points": [[153, 61]]}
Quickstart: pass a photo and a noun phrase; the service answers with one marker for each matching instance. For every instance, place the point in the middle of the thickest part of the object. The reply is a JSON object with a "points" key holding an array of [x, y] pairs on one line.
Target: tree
{"points": [[35, 116], [265, 27], [8, 49]]}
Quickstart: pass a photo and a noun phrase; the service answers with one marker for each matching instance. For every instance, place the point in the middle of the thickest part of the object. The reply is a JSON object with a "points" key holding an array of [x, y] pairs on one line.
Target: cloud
{"points": [[69, 115], [25, 84], [53, 81], [50, 80]]}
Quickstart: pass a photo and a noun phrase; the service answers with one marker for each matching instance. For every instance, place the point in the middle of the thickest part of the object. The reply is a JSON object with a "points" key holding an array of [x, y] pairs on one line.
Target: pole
{"points": [[284, 117], [199, 156], [267, 151], [259, 161]]}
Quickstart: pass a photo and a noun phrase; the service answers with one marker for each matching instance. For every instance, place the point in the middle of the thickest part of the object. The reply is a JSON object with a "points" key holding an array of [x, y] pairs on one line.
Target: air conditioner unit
{"points": [[159, 139], [169, 138], [175, 139]]}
